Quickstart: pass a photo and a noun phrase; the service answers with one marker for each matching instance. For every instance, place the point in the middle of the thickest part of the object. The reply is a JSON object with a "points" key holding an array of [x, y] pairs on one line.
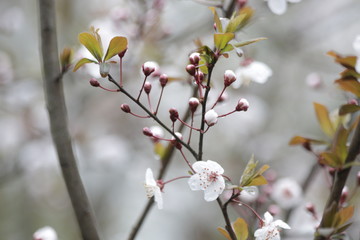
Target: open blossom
{"points": [[270, 228], [45, 233], [286, 193], [254, 71], [207, 178], [356, 45], [279, 6], [152, 188]]}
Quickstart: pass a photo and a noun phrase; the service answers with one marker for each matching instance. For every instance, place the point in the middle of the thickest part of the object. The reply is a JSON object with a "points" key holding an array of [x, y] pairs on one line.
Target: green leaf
{"points": [[247, 42], [235, 22], [348, 108], [222, 39], [92, 44], [330, 159], [251, 177], [66, 57], [339, 145], [298, 140], [81, 62], [352, 86], [116, 46], [216, 19], [241, 229], [224, 232], [322, 115]]}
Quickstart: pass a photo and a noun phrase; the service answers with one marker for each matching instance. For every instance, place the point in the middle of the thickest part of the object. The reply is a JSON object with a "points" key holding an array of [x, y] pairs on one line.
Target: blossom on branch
{"points": [[152, 188], [270, 228], [45, 233], [279, 7], [211, 117], [252, 71], [207, 178]]}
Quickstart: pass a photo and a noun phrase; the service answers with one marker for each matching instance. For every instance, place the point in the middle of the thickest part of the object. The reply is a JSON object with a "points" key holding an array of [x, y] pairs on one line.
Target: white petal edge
{"points": [[277, 6], [149, 177], [282, 224]]}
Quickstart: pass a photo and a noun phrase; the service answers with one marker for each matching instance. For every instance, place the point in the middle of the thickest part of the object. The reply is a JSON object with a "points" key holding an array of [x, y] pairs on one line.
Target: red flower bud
{"points": [[174, 115], [191, 69], [194, 58], [122, 54], [147, 132], [125, 108], [163, 80], [229, 78], [242, 105], [193, 104], [147, 87], [94, 82]]}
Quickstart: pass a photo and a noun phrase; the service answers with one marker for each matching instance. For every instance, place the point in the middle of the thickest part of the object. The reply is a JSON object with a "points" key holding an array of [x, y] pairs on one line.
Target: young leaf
{"points": [[247, 42], [116, 46], [241, 229], [222, 39], [344, 215], [81, 62], [330, 159], [235, 22], [298, 140], [340, 143], [347, 61], [352, 86], [92, 44], [66, 57], [322, 115], [216, 20], [348, 108], [224, 233]]}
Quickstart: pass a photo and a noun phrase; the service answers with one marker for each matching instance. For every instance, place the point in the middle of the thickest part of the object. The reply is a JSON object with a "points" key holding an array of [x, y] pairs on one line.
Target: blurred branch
{"points": [[340, 179], [58, 121]]}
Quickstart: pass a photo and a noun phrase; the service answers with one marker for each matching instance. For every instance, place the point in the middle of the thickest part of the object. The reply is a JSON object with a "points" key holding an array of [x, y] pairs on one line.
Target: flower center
{"points": [[212, 177]]}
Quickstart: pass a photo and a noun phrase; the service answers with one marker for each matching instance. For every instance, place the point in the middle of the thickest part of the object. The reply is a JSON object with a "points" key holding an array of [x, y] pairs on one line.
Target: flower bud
{"points": [[104, 69], [163, 80], [125, 108], [157, 131], [94, 82], [147, 87], [175, 142], [199, 76], [229, 77], [344, 195], [45, 233], [174, 115], [211, 117], [191, 69], [147, 132], [353, 101], [193, 104], [194, 58], [242, 105], [122, 54], [310, 208], [149, 67]]}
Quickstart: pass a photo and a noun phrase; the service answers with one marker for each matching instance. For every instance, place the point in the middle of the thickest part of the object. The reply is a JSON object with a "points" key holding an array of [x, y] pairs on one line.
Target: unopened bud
{"points": [[310, 208], [194, 58], [344, 195], [163, 80], [199, 76], [242, 105], [191, 69], [229, 77], [174, 115], [175, 142], [353, 101], [125, 108], [147, 132], [94, 82], [122, 54], [211, 117], [149, 67], [193, 104], [147, 87], [104, 69]]}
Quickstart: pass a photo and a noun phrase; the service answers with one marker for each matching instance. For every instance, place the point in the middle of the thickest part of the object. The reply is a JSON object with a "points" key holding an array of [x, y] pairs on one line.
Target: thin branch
{"points": [[228, 226], [58, 121]]}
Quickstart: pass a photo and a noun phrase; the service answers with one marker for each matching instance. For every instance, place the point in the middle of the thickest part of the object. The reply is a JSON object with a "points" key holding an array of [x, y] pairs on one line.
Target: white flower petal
{"points": [[215, 167], [277, 6], [195, 183], [356, 44], [158, 198], [268, 218], [282, 224], [149, 178], [199, 166]]}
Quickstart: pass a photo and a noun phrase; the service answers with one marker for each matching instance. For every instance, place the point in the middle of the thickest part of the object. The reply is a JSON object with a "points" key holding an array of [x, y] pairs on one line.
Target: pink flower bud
{"points": [[104, 69], [174, 115], [344, 195], [199, 76], [242, 105], [353, 101], [175, 142], [193, 104], [94, 82], [310, 208], [229, 78], [163, 80], [122, 54], [147, 132], [125, 108], [191, 69], [274, 209], [147, 87], [149, 67], [194, 58], [211, 117]]}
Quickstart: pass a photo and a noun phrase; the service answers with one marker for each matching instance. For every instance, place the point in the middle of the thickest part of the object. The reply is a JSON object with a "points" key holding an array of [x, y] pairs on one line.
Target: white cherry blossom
{"points": [[270, 228], [286, 193], [207, 178], [45, 233], [279, 7], [254, 71], [152, 188]]}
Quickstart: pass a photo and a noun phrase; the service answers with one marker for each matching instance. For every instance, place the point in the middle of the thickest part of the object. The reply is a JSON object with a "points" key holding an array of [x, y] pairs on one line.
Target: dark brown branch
{"points": [[58, 121]]}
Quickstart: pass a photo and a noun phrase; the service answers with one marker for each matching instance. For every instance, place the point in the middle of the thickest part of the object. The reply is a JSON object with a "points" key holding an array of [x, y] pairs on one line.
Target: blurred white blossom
{"points": [[152, 188], [286, 193], [249, 194], [207, 178], [45, 233], [253, 71], [279, 7]]}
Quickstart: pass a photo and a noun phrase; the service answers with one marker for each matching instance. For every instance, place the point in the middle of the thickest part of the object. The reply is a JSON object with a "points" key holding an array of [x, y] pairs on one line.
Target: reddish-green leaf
{"points": [[346, 61], [352, 86], [222, 39], [350, 74], [81, 62], [330, 159], [116, 46], [298, 140], [339, 145], [322, 115], [344, 215], [92, 44], [224, 233], [348, 108], [241, 229]]}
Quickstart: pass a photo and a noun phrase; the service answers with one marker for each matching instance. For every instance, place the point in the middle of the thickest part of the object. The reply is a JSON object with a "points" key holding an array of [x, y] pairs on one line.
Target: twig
{"points": [[58, 121]]}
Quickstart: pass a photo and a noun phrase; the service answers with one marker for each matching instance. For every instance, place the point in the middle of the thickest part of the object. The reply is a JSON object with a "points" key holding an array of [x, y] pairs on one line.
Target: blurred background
{"points": [[111, 150]]}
